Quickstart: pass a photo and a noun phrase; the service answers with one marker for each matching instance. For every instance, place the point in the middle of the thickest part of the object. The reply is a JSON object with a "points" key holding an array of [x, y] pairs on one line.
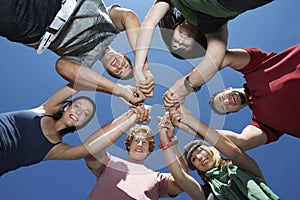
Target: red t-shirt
{"points": [[273, 84]]}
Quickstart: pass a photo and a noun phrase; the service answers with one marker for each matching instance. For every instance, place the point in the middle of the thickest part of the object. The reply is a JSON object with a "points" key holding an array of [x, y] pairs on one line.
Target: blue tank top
{"points": [[22, 141]]}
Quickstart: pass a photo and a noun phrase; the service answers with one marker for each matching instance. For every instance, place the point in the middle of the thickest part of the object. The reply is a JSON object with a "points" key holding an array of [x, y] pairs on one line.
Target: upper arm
{"points": [[155, 14], [173, 187], [236, 58], [216, 45], [191, 187], [53, 104], [124, 18]]}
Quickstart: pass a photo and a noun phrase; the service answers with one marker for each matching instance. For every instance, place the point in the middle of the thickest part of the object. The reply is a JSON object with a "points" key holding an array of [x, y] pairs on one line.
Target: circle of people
{"points": [[81, 31]]}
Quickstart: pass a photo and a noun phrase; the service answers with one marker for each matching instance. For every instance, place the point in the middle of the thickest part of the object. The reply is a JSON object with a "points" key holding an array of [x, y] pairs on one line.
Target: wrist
{"points": [[118, 90], [172, 141], [189, 86]]}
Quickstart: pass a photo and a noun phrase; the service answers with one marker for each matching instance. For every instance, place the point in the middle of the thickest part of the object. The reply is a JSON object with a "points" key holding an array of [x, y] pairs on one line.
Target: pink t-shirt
{"points": [[273, 83], [122, 180]]}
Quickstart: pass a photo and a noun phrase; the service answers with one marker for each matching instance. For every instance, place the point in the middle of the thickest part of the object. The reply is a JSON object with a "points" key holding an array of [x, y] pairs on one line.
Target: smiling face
{"points": [[78, 113], [229, 100], [139, 147], [184, 37], [202, 159], [116, 64]]}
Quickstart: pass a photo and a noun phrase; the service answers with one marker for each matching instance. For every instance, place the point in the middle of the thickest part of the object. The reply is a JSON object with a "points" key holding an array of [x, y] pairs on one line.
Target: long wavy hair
{"points": [[61, 111]]}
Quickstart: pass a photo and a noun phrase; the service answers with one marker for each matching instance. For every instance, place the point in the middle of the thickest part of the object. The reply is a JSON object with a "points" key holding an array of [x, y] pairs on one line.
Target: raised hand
{"points": [[131, 96], [144, 80], [165, 123], [183, 119], [142, 113], [175, 95]]}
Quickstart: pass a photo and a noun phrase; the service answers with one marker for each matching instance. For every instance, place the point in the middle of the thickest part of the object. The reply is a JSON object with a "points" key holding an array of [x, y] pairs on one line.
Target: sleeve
{"points": [[271, 133], [97, 172], [257, 56], [163, 179]]}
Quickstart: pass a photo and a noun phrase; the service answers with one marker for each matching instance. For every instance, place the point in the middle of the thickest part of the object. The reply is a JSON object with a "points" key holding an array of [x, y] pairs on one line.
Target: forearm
{"points": [[142, 46], [85, 78], [109, 134], [213, 59], [222, 143]]}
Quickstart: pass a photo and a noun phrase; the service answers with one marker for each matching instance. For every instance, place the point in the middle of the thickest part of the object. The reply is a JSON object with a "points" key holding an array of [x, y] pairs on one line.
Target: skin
{"points": [[181, 118], [138, 152], [115, 63], [77, 114], [204, 71], [202, 159], [74, 72], [229, 100], [184, 36]]}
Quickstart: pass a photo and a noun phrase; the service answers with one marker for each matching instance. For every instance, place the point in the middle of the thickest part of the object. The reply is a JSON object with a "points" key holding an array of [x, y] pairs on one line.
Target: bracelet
{"points": [[171, 142], [189, 86]]}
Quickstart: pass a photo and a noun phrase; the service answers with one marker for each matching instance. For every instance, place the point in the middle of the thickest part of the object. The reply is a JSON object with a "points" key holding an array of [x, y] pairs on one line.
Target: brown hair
{"points": [[136, 129]]}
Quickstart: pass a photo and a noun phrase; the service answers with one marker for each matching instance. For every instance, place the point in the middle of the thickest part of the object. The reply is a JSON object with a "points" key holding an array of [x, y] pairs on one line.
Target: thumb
{"points": [[159, 118]]}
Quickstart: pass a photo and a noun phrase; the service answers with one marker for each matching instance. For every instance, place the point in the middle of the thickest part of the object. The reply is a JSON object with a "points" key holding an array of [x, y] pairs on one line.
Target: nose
{"points": [[78, 112], [140, 143], [199, 157]]}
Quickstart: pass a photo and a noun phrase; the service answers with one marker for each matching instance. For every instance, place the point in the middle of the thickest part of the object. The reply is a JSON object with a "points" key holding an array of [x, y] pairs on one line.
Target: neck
{"points": [[51, 128]]}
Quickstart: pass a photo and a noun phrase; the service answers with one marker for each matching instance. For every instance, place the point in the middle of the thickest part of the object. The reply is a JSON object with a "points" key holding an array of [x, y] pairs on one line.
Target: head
{"points": [[202, 157], [117, 64], [228, 101], [181, 37], [76, 113], [140, 142]]}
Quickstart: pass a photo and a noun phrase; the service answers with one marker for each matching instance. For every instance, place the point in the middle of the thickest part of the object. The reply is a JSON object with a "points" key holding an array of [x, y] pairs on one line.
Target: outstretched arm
{"points": [[102, 138], [126, 20], [205, 70], [142, 75], [176, 163], [53, 104], [181, 118], [81, 76]]}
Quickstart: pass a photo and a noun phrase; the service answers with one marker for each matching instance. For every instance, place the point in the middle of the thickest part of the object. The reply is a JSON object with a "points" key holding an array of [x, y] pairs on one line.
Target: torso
{"points": [[22, 141], [272, 80]]}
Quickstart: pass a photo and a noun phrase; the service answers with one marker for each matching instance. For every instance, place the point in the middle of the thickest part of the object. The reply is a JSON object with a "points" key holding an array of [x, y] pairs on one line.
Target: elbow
{"points": [[130, 14], [60, 68], [235, 153]]}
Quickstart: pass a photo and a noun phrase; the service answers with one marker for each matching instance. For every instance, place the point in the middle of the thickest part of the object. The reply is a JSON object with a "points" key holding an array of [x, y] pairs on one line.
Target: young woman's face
{"points": [[139, 147], [79, 112], [183, 37], [202, 159]]}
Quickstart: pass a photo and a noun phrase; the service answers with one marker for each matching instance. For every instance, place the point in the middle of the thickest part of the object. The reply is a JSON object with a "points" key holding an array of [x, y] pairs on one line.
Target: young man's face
{"points": [[229, 100], [183, 38], [139, 147], [116, 64]]}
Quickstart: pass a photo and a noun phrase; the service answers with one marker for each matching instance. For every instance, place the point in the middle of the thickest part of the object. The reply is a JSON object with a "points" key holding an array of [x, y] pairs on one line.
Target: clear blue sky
{"points": [[28, 79]]}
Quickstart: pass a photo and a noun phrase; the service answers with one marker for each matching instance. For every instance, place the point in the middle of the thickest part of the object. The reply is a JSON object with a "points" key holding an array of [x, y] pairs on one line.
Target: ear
{"points": [[66, 107], [228, 88]]}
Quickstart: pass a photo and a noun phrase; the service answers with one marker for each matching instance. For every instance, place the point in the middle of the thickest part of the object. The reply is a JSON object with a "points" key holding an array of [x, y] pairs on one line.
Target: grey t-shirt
{"points": [[86, 34]]}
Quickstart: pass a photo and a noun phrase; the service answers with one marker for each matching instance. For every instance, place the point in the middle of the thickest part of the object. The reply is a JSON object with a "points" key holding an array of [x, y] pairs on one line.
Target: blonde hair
{"points": [[137, 129]]}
